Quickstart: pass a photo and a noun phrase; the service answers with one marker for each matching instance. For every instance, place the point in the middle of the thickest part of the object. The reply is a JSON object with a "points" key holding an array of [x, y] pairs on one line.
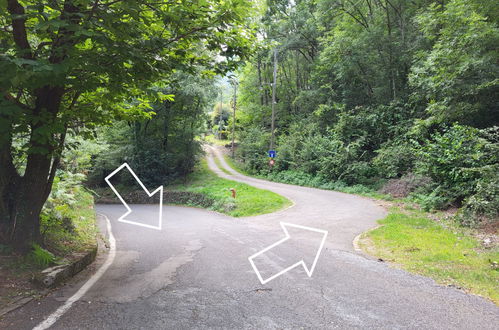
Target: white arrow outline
{"points": [[129, 210], [301, 262]]}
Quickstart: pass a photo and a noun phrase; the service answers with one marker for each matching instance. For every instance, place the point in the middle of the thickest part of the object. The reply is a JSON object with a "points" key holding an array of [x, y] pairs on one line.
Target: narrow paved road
{"points": [[195, 274]]}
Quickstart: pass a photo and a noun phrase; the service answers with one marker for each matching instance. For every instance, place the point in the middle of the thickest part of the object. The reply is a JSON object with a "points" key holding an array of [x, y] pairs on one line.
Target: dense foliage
{"points": [[165, 146], [70, 66], [377, 90]]}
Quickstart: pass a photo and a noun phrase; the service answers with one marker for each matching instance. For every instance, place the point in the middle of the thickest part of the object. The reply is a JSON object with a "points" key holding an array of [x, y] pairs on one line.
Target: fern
{"points": [[40, 256]]}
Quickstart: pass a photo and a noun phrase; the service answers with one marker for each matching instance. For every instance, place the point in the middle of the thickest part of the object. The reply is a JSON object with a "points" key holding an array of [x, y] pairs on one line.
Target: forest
{"points": [[390, 96], [384, 95], [86, 85]]}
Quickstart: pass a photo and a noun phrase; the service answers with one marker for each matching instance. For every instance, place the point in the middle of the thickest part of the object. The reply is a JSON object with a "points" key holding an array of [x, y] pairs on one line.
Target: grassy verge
{"points": [[238, 166], [203, 188], [219, 164], [74, 230], [249, 200], [432, 246]]}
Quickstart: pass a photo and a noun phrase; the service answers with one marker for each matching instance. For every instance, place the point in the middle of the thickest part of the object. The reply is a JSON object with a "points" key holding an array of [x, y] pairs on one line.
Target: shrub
{"points": [[299, 149], [296, 177], [436, 199], [453, 159], [483, 206], [62, 197], [309, 180], [394, 159], [344, 162], [253, 149]]}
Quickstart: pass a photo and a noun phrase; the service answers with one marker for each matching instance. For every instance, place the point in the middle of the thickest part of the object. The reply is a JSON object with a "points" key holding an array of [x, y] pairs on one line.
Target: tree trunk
{"points": [[22, 197], [260, 83], [9, 182]]}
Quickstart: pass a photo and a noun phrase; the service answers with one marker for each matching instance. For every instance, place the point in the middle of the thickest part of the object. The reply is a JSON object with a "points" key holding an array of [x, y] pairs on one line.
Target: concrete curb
{"points": [[357, 238], [355, 243], [56, 275]]}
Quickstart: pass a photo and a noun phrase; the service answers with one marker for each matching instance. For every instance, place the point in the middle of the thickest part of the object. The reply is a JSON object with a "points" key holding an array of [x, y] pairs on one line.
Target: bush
{"points": [[394, 159], [483, 206], [435, 199], [344, 162], [54, 215], [309, 180], [297, 150], [453, 159], [253, 149], [296, 177], [154, 159], [305, 150], [223, 135]]}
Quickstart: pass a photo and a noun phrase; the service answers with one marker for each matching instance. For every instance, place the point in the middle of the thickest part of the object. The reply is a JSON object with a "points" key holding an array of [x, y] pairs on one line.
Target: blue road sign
{"points": [[272, 153]]}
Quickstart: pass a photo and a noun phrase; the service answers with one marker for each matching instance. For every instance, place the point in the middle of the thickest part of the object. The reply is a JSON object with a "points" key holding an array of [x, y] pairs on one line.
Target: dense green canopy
{"points": [[68, 66], [373, 90]]}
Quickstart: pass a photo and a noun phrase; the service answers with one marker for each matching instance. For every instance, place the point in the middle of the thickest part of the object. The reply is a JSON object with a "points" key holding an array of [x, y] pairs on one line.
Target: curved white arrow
{"points": [[129, 210], [309, 271]]}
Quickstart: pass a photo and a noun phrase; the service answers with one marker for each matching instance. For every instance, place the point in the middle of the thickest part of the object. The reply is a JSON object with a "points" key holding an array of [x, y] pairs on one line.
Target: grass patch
{"points": [[40, 256], [437, 249], [211, 139], [237, 165], [250, 200], [219, 164]]}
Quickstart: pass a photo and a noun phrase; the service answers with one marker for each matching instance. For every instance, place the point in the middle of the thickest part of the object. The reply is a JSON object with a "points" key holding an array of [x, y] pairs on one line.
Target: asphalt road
{"points": [[195, 274]]}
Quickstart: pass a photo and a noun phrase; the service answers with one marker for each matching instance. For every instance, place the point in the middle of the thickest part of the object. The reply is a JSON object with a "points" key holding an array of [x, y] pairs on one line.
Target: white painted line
{"points": [[129, 210], [49, 321]]}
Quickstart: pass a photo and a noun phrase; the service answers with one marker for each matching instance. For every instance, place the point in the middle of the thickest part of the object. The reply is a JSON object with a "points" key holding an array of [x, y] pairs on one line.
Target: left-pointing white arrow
{"points": [[129, 210]]}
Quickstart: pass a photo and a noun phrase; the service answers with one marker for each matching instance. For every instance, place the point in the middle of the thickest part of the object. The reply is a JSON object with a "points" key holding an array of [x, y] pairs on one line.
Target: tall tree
{"points": [[67, 64], [456, 78]]}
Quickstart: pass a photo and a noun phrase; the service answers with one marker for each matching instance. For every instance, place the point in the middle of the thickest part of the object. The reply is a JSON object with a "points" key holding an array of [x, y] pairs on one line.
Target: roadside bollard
{"points": [[233, 191]]}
